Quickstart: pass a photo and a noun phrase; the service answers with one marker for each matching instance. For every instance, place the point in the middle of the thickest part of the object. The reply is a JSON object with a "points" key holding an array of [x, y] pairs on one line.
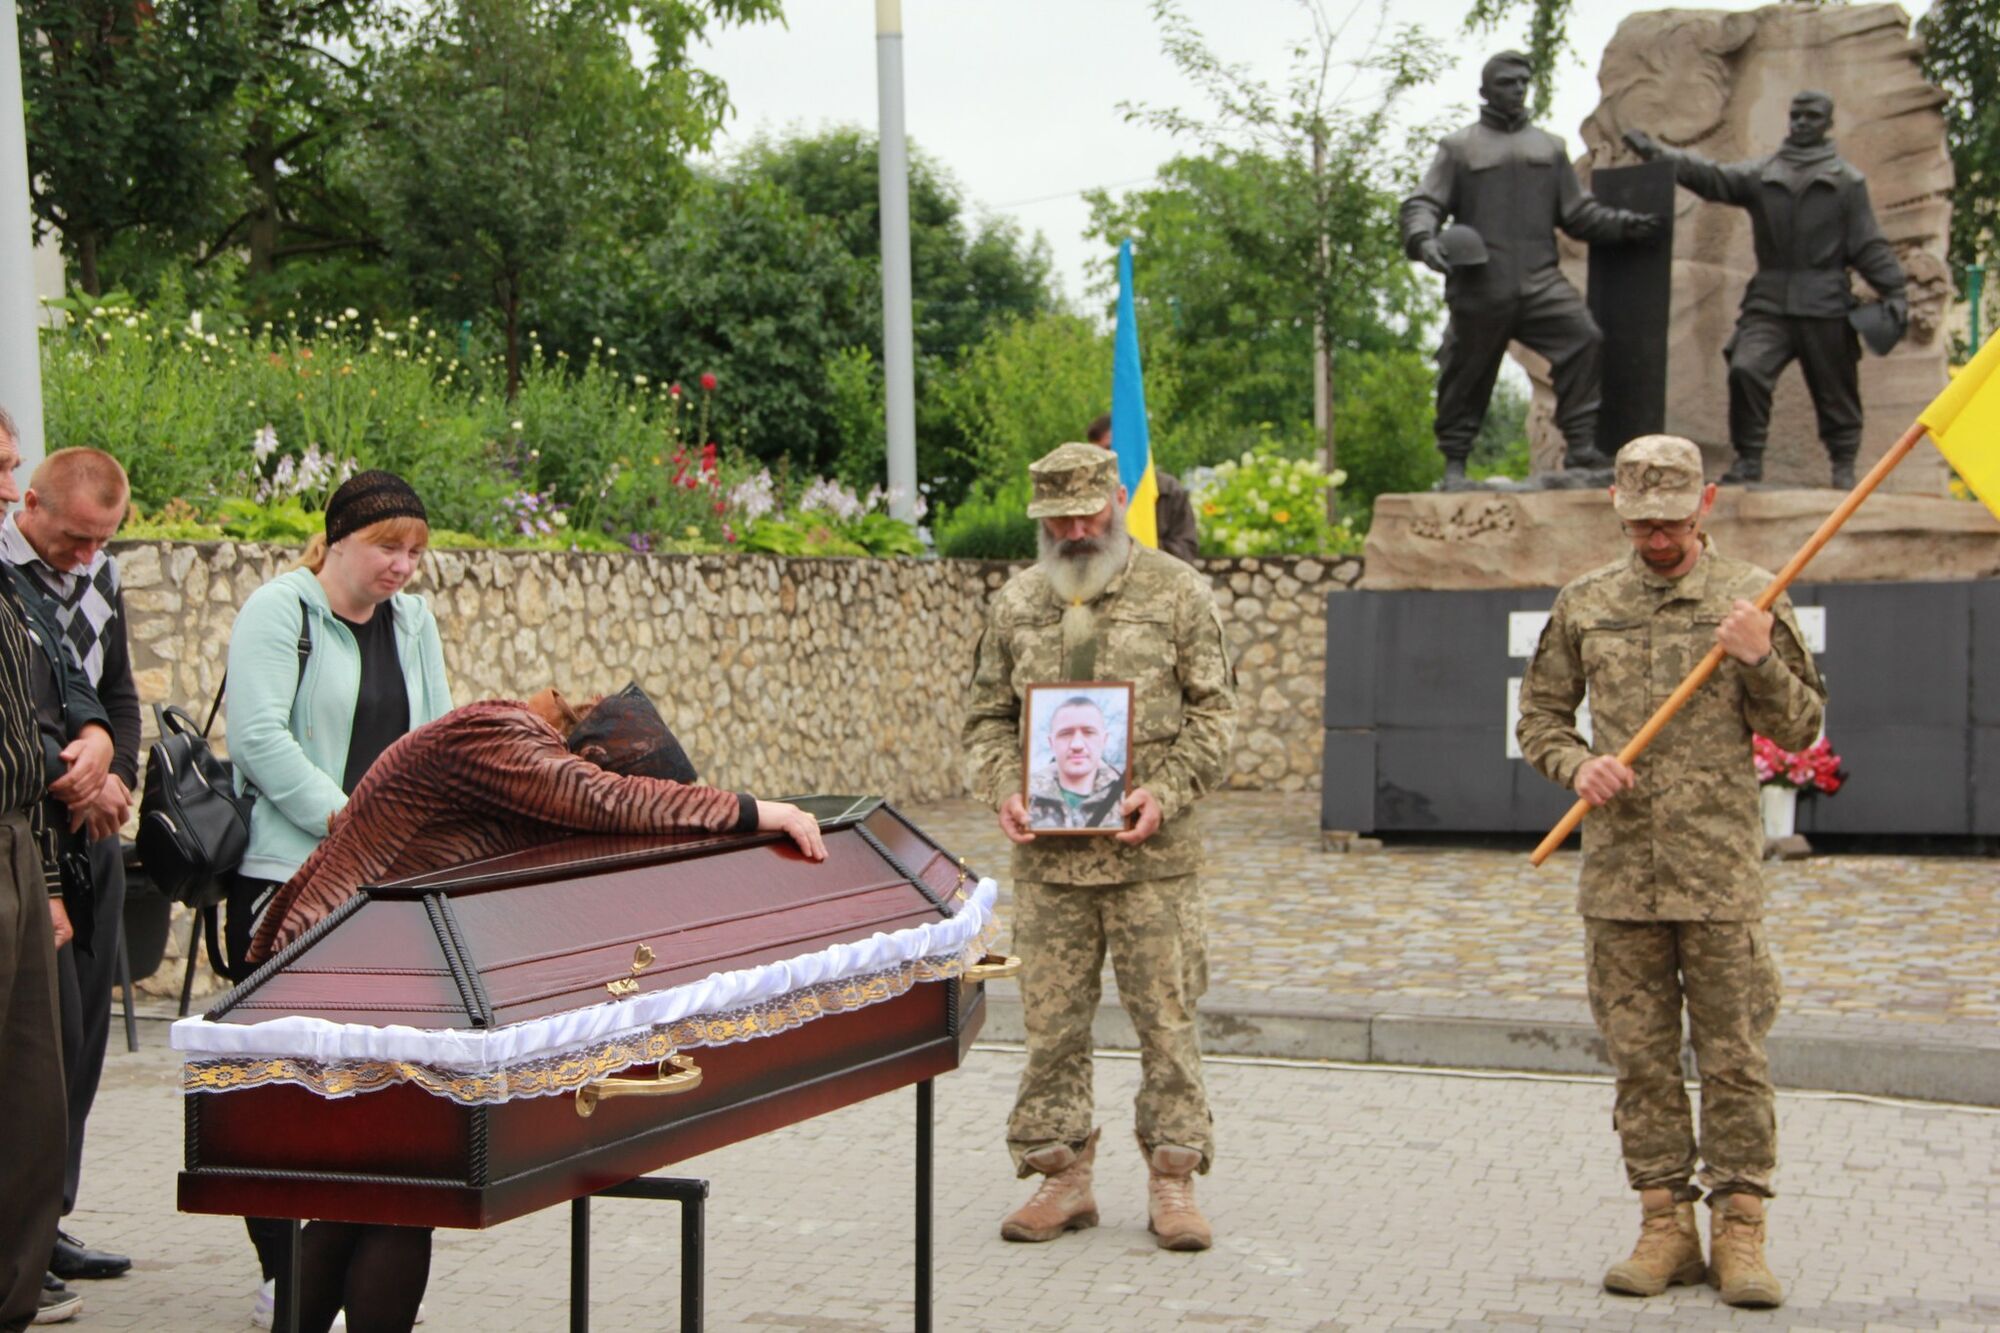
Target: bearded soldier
{"points": [[1099, 606], [1672, 891]]}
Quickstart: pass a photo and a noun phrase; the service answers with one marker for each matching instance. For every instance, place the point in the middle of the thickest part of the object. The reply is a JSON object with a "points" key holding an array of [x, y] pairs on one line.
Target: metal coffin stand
{"points": [[536, 933]]}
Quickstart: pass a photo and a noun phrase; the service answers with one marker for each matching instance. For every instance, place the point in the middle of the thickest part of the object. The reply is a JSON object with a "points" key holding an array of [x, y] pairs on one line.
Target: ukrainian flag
{"points": [[1964, 421], [1129, 437]]}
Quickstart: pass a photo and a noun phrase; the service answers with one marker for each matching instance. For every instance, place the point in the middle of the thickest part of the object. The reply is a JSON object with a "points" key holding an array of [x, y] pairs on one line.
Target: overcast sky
{"points": [[1019, 98]]}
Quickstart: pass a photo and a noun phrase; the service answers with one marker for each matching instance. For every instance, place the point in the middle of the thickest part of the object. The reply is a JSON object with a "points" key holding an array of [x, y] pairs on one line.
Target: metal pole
{"points": [[20, 343], [1975, 293], [898, 341], [924, 1157], [579, 1265]]}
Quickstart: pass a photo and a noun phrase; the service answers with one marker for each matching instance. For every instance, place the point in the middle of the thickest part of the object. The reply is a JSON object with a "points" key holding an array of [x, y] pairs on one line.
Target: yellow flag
{"points": [[1964, 421]]}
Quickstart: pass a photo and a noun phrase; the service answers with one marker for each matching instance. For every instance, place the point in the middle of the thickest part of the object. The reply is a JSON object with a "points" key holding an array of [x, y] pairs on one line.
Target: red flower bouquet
{"points": [[1815, 768]]}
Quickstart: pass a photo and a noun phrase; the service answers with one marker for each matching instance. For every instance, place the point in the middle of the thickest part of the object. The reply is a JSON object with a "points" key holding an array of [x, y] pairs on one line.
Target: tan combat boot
{"points": [[1668, 1254], [1063, 1201], [1736, 1256], [1171, 1214]]}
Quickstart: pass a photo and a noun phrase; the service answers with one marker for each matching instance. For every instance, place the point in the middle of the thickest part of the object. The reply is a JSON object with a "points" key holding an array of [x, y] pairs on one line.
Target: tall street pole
{"points": [[20, 355], [898, 341]]}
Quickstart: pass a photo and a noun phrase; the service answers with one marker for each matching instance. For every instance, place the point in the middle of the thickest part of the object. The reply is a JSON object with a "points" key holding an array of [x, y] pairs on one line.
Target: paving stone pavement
{"points": [[1343, 1199], [1907, 945]]}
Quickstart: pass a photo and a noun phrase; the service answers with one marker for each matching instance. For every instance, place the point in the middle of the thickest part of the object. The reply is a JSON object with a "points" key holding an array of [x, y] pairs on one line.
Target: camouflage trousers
{"points": [[1641, 974], [1154, 932]]}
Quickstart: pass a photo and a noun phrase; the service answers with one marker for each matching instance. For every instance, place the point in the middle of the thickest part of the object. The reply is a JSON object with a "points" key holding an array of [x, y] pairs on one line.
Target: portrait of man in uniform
{"points": [[1076, 746]]}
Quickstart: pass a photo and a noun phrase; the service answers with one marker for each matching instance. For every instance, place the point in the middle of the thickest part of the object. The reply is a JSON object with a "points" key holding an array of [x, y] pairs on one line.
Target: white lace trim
{"points": [[324, 1042]]}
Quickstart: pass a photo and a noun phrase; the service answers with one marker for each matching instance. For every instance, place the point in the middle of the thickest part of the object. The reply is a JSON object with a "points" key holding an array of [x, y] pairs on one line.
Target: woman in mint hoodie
{"points": [[328, 665]]}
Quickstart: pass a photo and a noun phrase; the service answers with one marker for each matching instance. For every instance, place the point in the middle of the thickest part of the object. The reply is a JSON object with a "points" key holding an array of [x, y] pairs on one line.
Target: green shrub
{"points": [[990, 527]]}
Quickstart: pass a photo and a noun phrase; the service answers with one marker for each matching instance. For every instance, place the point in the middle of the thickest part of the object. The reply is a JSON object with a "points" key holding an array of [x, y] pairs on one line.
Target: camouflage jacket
{"points": [[1156, 626], [1686, 843], [1098, 809]]}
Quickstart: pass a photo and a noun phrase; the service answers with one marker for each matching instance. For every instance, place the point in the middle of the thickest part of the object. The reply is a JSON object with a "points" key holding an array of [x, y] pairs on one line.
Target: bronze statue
{"points": [[1811, 221], [1511, 183]]}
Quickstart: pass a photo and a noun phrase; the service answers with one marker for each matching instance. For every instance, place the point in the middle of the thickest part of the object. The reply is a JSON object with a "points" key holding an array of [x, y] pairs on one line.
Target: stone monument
{"points": [[1721, 84]]}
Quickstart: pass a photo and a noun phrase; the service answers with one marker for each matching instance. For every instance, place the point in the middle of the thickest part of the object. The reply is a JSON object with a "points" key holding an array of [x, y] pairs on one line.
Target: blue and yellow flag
{"points": [[1129, 437], [1964, 421]]}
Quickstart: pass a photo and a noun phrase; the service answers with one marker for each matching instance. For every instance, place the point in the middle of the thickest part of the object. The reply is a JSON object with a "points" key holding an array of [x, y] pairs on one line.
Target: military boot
{"points": [[1171, 1214], [1668, 1254], [1736, 1258], [1843, 474], [1586, 460], [1748, 467], [1063, 1201], [1454, 478]]}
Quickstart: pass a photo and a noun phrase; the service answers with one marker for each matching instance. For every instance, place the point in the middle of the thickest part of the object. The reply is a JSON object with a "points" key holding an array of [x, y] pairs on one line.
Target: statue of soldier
{"points": [[1511, 183], [1811, 221]]}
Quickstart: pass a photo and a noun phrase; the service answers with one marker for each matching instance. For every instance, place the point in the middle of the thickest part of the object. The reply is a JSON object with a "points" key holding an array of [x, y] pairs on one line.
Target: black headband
{"points": [[367, 498]]}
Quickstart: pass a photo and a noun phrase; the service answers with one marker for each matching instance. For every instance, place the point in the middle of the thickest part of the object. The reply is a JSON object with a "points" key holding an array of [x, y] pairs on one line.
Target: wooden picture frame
{"points": [[1055, 807]]}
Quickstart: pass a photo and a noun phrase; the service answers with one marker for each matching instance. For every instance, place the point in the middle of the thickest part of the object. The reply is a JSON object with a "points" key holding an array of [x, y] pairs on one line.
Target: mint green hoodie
{"points": [[288, 733]]}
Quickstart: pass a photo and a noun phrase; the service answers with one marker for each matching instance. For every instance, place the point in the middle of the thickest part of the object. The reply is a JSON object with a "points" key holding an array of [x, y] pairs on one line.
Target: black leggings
{"points": [[376, 1273]]}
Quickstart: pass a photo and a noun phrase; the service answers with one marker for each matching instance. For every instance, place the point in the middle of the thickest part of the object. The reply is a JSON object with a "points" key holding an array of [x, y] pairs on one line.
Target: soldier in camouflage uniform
{"points": [[1672, 888], [1098, 606]]}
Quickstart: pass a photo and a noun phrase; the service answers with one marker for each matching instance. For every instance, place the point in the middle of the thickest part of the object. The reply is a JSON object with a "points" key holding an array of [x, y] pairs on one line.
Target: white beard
{"points": [[1081, 576]]}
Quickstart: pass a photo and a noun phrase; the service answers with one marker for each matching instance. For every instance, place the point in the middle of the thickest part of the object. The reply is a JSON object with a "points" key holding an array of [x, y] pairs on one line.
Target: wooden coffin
{"points": [[560, 929]]}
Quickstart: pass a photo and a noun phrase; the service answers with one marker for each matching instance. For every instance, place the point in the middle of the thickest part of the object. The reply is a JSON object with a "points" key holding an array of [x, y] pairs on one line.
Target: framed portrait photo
{"points": [[1076, 754]]}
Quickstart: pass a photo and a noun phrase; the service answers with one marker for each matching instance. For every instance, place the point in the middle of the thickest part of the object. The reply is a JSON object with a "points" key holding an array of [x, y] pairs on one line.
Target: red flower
{"points": [[673, 390], [722, 506], [707, 382]]}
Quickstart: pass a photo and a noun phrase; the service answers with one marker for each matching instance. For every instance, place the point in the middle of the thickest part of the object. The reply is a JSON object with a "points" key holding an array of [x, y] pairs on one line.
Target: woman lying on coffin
{"points": [[480, 781], [498, 776]]}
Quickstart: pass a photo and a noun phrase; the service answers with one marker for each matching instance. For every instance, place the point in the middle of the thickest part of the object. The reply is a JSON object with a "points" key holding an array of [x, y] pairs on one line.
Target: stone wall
{"points": [[780, 675]]}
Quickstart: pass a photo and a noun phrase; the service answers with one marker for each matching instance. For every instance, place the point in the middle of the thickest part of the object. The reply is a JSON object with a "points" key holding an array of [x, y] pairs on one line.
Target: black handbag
{"points": [[193, 826]]}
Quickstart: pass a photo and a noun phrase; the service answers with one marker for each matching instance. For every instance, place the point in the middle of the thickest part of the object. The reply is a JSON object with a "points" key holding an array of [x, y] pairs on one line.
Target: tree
{"points": [[306, 91], [1960, 37], [129, 110], [515, 133], [737, 282], [1222, 306], [1332, 134]]}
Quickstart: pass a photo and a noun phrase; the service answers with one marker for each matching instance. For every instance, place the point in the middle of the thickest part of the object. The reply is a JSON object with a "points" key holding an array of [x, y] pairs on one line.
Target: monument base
{"points": [[1466, 540]]}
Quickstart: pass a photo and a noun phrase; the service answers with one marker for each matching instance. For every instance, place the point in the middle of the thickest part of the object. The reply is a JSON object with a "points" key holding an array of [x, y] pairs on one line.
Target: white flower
{"points": [[350, 313], [131, 321], [597, 342], [639, 380], [194, 323], [514, 425]]}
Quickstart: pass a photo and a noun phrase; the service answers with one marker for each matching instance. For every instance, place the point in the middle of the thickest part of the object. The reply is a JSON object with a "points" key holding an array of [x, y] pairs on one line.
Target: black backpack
{"points": [[193, 826]]}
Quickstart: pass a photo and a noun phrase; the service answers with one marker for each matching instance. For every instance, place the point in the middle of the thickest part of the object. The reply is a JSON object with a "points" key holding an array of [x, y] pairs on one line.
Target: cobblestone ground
{"points": [[1342, 1198], [1904, 939]]}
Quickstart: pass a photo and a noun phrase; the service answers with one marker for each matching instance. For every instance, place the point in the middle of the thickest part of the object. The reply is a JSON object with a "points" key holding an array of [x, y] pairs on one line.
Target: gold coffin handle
{"points": [[686, 1078], [993, 967]]}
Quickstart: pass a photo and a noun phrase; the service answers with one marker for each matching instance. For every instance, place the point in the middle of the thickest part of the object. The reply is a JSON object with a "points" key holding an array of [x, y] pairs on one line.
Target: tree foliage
{"points": [[130, 115], [1331, 154], [1960, 38], [515, 132]]}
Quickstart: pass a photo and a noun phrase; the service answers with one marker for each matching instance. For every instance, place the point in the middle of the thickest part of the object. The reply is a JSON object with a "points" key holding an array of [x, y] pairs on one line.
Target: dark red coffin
{"points": [[558, 930]]}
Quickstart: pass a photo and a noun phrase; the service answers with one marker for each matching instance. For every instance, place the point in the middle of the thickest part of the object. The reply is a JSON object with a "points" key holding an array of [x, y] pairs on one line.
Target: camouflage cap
{"points": [[1073, 481], [1658, 477]]}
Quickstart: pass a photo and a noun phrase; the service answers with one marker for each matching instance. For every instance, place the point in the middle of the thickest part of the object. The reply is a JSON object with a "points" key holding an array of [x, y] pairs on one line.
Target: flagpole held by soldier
{"points": [[1098, 606]]}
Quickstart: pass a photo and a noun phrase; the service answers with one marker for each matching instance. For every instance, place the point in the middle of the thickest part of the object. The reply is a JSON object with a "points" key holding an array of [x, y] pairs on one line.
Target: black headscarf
{"points": [[625, 734]]}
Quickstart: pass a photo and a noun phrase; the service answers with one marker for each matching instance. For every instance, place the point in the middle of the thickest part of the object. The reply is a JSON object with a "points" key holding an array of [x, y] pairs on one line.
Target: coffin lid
{"points": [[568, 925]]}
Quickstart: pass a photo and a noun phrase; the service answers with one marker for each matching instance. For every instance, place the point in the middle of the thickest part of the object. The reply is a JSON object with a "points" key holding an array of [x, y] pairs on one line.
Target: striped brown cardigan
{"points": [[482, 780]]}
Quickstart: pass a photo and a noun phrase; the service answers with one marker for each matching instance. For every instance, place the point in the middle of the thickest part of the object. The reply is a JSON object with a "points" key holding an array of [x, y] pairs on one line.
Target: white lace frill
{"points": [[554, 1054]]}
